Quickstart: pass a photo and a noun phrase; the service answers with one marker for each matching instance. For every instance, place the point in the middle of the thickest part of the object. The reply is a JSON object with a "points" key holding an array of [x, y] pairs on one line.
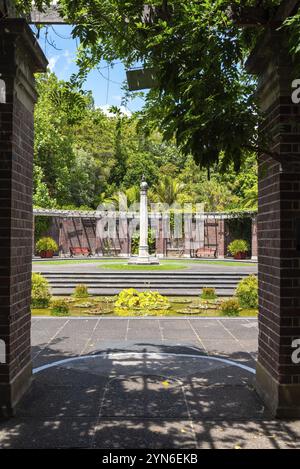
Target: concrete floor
{"points": [[145, 383]]}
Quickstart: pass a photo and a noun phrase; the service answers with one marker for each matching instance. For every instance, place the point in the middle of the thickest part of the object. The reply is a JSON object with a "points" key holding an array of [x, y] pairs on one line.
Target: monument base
{"points": [[143, 261]]}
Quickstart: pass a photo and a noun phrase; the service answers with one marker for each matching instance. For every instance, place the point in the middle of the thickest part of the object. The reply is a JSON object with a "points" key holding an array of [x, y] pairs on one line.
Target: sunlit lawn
{"points": [[164, 264]]}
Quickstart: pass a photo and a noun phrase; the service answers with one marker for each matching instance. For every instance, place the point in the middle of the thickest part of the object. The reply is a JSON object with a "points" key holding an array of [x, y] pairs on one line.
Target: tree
{"points": [[203, 95], [167, 191], [216, 197], [53, 145], [41, 196]]}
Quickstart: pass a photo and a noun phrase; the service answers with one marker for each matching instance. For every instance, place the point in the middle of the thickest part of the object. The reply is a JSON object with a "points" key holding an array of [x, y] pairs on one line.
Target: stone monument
{"points": [[144, 257]]}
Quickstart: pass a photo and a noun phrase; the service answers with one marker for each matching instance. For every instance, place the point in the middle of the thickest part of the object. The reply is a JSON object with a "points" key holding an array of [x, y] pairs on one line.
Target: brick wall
{"points": [[278, 378], [16, 161]]}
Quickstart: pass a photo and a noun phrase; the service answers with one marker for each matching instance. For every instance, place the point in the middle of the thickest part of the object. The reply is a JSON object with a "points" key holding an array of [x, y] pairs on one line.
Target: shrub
{"points": [[46, 244], [81, 291], [239, 245], [40, 293], [130, 300], [230, 307], [208, 293], [247, 292], [59, 307]]}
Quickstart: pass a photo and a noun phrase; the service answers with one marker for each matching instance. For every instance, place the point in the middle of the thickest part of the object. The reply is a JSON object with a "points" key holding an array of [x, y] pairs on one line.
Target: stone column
{"points": [[144, 248], [144, 257], [254, 239], [20, 57], [278, 375]]}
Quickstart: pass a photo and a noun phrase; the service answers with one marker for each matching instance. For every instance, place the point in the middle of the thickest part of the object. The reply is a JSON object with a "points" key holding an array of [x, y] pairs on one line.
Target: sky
{"points": [[105, 83]]}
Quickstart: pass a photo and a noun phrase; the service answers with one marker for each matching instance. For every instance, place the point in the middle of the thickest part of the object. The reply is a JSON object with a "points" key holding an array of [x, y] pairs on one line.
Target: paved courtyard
{"points": [[145, 383]]}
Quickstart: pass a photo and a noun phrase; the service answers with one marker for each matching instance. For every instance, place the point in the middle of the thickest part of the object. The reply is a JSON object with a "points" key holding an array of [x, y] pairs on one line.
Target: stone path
{"points": [[145, 383]]}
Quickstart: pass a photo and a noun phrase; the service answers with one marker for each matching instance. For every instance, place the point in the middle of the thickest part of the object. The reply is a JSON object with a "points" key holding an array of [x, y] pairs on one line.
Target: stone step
{"points": [[145, 274], [81, 279], [62, 278], [140, 285], [168, 292], [179, 284]]}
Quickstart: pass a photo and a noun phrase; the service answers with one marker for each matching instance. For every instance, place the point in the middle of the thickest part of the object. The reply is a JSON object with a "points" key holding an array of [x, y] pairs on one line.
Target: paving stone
{"points": [[120, 400], [246, 434], [61, 401], [36, 433], [144, 396], [224, 402], [157, 434]]}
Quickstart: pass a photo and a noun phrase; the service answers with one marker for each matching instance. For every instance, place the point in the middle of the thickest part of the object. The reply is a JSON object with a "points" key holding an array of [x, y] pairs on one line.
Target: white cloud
{"points": [[105, 109], [117, 98], [68, 56], [52, 62]]}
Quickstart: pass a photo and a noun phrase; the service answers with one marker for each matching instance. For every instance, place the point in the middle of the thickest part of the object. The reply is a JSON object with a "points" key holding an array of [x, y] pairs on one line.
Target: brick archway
{"points": [[278, 378]]}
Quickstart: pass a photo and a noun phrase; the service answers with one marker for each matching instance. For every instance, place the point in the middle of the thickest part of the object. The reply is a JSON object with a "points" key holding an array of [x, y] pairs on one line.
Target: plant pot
{"points": [[240, 255], [46, 254]]}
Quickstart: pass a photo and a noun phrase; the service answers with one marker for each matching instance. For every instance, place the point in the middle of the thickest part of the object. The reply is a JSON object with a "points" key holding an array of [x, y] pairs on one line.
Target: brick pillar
{"points": [[221, 239], [20, 57], [254, 239], [278, 377]]}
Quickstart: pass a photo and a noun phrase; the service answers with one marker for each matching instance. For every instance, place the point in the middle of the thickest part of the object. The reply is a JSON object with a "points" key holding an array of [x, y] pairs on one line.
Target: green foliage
{"points": [[203, 96], [208, 293], [247, 292], [216, 196], [167, 190], [60, 307], [238, 245], [41, 196], [230, 307], [40, 293], [81, 291], [46, 244], [81, 161], [130, 302], [41, 226]]}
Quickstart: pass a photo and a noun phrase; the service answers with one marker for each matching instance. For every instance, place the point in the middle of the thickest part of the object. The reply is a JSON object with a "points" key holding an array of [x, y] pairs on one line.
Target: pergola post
{"points": [[20, 58], [278, 374], [221, 239], [160, 241], [254, 239]]}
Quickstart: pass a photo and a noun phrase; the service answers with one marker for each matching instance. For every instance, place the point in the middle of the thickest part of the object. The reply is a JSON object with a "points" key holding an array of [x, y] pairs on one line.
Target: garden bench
{"points": [[205, 252], [78, 251]]}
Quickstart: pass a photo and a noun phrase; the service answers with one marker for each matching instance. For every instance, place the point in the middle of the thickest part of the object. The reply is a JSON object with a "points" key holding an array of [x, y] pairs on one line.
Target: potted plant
{"points": [[238, 248], [46, 247]]}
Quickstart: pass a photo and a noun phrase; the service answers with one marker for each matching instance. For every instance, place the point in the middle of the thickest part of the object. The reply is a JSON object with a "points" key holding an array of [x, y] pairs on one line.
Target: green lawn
{"points": [[71, 261], [164, 265]]}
